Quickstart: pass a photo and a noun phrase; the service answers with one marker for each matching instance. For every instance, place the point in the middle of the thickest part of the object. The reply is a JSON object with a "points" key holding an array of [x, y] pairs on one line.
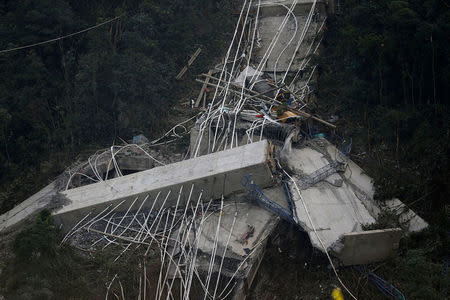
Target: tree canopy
{"points": [[385, 70], [114, 80]]}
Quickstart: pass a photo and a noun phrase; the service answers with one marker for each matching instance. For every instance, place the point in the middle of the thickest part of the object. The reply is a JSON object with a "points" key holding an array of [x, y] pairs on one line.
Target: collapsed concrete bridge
{"points": [[195, 215]]}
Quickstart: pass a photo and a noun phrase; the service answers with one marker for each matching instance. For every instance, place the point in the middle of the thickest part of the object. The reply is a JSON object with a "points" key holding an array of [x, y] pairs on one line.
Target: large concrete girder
{"points": [[47, 197], [216, 174], [28, 208]]}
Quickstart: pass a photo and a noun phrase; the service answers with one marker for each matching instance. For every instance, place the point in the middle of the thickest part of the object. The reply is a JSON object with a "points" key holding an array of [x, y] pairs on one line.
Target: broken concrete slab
{"points": [[354, 174], [247, 215], [364, 189], [195, 143], [304, 161], [407, 217], [339, 209], [360, 248], [215, 174], [334, 209], [244, 251]]}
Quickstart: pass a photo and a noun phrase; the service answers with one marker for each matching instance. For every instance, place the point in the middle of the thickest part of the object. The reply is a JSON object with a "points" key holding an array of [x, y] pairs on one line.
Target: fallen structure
{"points": [[254, 158], [376, 245], [215, 175]]}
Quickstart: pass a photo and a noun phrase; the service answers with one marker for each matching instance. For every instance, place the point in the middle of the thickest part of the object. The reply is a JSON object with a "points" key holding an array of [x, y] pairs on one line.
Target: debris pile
{"points": [[256, 155]]}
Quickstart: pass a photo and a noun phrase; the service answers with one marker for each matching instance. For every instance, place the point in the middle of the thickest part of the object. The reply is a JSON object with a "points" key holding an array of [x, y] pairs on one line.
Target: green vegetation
{"points": [[44, 270], [385, 72], [79, 94], [417, 271], [82, 92], [36, 240]]}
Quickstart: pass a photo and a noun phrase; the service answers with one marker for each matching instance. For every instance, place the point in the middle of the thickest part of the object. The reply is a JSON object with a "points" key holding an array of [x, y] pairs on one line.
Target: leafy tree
{"points": [[37, 239], [116, 80]]}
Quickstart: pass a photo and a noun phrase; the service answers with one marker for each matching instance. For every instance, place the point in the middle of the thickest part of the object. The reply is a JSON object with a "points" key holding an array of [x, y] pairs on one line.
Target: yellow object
{"points": [[337, 294], [287, 114]]}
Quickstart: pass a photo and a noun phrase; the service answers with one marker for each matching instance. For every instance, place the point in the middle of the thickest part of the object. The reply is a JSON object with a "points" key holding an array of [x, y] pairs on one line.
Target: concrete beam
{"points": [[217, 174], [360, 248], [28, 208]]}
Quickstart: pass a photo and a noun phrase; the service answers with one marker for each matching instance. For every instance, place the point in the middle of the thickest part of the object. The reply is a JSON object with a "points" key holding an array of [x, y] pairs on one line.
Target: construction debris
{"points": [[202, 94], [140, 139], [190, 61], [362, 248], [253, 160]]}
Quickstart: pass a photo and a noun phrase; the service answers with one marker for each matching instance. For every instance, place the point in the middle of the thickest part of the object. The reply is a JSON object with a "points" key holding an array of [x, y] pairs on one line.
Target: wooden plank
{"points": [[204, 101], [178, 77], [199, 98], [294, 94], [268, 91], [194, 56], [190, 61]]}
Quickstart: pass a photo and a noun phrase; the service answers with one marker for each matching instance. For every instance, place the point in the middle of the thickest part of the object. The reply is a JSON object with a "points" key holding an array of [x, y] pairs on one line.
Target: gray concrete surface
{"points": [[216, 174], [407, 217], [194, 142], [274, 7], [340, 209], [353, 173], [334, 210], [247, 215], [29, 207], [360, 248], [268, 25]]}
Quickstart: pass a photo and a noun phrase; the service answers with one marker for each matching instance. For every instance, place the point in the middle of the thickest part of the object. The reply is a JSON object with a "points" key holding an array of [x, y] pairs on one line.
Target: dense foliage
{"points": [[42, 269], [115, 80], [36, 240], [385, 71]]}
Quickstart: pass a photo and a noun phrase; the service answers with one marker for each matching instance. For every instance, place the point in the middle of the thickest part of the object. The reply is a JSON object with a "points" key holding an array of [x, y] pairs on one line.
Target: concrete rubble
{"points": [[376, 245], [210, 216]]}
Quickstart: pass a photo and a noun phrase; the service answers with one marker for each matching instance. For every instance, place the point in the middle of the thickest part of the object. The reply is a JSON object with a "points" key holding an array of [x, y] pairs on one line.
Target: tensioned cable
{"points": [[60, 38]]}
